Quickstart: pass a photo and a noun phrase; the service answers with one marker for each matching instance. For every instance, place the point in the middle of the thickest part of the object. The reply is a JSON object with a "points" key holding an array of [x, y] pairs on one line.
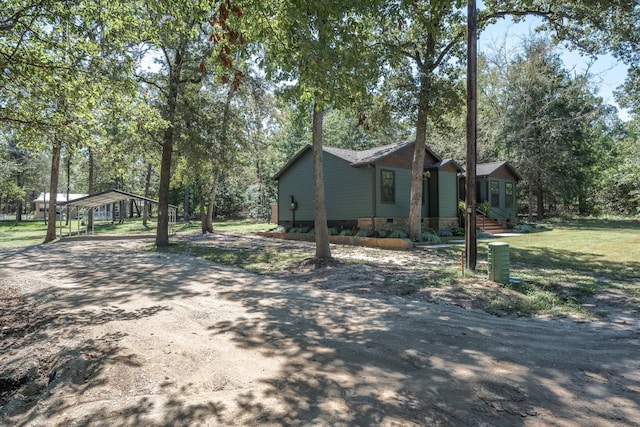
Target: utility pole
{"points": [[471, 244]]}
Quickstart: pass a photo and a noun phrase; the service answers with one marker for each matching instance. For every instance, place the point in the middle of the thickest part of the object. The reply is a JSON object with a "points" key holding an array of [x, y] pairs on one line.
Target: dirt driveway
{"points": [[102, 333]]}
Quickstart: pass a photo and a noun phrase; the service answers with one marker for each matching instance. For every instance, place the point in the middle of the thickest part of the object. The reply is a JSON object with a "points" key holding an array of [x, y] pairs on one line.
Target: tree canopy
{"points": [[249, 82]]}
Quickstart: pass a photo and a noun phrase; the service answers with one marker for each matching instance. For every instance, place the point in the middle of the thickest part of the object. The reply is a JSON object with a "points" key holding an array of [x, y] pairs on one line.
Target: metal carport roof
{"points": [[94, 201], [107, 197]]}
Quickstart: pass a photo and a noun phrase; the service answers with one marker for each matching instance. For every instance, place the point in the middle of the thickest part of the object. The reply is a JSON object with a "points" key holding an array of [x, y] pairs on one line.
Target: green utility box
{"points": [[499, 262]]}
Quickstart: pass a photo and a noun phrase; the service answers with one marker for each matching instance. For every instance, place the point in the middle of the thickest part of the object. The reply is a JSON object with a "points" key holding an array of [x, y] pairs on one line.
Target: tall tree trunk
{"points": [[582, 204], [530, 210], [20, 206], [201, 210], [323, 250], [211, 206], [53, 190], [68, 186], [540, 204], [162, 230], [417, 165], [91, 187], [262, 202], [123, 212], [147, 183]]}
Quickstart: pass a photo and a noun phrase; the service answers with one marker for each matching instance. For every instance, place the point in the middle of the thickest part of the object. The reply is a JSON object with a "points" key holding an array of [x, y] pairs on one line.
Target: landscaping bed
{"points": [[371, 242]]}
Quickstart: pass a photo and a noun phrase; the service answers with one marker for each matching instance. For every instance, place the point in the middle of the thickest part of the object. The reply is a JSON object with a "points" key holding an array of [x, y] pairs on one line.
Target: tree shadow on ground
{"points": [[602, 224], [344, 358], [583, 262], [367, 361], [63, 291]]}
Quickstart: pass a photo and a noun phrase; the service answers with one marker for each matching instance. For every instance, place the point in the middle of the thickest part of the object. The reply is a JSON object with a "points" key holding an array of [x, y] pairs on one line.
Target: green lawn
{"points": [[558, 270], [608, 248], [33, 232], [24, 233]]}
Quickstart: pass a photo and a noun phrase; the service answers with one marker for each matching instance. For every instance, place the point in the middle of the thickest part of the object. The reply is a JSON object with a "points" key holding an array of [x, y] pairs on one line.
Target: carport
{"points": [[86, 204]]}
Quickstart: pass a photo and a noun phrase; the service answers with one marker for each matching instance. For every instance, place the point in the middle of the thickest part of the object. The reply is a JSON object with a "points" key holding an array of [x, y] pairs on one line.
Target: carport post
{"points": [[59, 220]]}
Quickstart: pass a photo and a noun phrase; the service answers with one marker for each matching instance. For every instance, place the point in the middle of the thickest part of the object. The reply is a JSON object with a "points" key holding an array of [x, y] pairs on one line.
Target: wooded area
{"points": [[199, 103]]}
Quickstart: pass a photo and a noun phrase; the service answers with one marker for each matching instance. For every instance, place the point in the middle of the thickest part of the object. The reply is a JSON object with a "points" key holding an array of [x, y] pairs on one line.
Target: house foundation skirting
{"points": [[401, 223]]}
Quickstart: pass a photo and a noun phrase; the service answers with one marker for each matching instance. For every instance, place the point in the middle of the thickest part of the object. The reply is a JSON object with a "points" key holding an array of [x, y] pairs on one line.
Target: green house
{"points": [[368, 188]]}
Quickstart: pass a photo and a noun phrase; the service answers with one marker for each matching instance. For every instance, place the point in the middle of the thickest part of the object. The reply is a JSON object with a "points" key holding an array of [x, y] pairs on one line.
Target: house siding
{"points": [[448, 203], [403, 194], [341, 205], [296, 182], [347, 190]]}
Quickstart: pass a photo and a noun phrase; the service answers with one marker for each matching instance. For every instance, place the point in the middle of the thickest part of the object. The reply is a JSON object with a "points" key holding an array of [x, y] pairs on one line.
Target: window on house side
{"points": [[495, 194], [387, 186], [508, 195]]}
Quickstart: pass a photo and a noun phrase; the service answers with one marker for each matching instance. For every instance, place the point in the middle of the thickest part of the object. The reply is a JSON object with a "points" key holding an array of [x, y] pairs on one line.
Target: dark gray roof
{"points": [[486, 169], [363, 157], [349, 155], [375, 154], [354, 157]]}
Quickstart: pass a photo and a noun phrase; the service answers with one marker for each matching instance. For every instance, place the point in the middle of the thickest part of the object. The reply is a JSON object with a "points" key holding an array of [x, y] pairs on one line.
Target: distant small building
{"points": [[103, 212], [42, 202]]}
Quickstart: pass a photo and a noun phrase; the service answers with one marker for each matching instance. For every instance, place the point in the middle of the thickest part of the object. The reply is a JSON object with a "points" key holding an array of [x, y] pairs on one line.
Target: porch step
{"points": [[488, 225]]}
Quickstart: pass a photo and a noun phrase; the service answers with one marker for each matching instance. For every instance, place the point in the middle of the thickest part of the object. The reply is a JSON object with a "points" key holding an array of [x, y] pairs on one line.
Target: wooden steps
{"points": [[488, 225]]}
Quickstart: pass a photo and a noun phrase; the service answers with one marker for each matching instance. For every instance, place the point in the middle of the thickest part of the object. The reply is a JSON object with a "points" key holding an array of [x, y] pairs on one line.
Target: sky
{"points": [[608, 73]]}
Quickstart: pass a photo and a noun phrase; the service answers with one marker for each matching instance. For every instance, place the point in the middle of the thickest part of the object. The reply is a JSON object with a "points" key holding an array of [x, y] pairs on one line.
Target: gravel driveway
{"points": [[100, 332]]}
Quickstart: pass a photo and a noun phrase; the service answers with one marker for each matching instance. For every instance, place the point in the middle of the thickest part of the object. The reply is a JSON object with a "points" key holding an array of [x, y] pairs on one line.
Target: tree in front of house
{"points": [[323, 54], [426, 41]]}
